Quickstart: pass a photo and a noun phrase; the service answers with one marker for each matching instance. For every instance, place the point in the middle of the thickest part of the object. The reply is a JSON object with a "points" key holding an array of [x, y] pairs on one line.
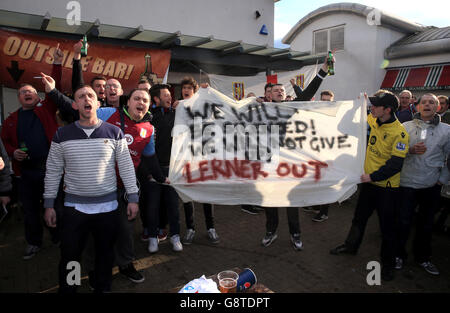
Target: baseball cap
{"points": [[386, 100]]}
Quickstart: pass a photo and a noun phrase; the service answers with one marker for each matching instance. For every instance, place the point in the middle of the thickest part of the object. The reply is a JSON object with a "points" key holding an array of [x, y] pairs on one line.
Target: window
{"points": [[328, 39], [321, 41]]}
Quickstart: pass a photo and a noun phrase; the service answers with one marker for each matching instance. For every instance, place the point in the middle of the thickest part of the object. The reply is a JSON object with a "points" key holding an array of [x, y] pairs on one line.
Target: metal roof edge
{"points": [[354, 8]]}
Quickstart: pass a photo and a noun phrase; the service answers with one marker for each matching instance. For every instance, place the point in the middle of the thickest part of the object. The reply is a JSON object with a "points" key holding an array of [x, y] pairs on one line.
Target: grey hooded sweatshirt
{"points": [[425, 170]]}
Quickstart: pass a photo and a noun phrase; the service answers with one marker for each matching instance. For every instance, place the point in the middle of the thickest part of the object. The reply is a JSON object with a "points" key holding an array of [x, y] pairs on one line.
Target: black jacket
{"points": [[78, 81], [309, 92], [163, 121]]}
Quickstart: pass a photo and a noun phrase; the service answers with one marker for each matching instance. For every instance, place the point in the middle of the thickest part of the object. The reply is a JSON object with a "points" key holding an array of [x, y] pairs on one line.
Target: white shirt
{"points": [[94, 208]]}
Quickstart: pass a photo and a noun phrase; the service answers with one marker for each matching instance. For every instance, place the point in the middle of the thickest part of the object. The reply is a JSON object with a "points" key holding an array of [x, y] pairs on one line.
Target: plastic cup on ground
{"points": [[227, 281], [246, 279]]}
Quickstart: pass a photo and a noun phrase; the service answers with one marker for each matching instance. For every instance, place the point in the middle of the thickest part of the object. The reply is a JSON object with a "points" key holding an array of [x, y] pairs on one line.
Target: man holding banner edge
{"points": [[386, 151]]}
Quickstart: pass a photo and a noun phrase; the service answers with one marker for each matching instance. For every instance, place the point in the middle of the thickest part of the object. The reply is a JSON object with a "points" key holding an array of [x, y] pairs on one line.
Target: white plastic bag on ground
{"points": [[200, 285]]}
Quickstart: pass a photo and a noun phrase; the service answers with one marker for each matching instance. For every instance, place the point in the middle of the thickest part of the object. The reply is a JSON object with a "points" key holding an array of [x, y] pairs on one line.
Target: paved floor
{"points": [[279, 266]]}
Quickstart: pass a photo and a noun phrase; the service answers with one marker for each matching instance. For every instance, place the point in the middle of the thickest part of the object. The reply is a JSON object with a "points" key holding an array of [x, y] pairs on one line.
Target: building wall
{"points": [[231, 20], [358, 66]]}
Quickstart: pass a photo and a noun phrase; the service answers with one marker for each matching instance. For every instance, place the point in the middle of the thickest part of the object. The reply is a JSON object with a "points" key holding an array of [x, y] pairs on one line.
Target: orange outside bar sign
{"points": [[23, 56]]}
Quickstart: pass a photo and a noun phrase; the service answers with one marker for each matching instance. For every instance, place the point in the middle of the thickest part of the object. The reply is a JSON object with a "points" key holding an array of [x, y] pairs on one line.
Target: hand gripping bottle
{"points": [[330, 63], [84, 48]]}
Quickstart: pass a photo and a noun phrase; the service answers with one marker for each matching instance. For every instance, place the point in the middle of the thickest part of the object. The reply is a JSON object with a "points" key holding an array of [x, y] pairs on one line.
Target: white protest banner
{"points": [[270, 154]]}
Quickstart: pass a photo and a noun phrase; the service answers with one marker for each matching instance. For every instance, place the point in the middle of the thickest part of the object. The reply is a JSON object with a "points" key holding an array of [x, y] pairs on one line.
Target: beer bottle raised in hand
{"points": [[330, 63], [84, 48]]}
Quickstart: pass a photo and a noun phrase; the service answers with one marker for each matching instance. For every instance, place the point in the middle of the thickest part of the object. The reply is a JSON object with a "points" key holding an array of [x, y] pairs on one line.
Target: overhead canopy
{"points": [[430, 41], [188, 52], [431, 77]]}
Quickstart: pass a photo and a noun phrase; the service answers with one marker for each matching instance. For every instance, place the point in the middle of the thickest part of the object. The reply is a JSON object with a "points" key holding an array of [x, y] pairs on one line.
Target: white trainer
{"points": [[212, 235], [189, 237], [176, 243], [153, 245]]}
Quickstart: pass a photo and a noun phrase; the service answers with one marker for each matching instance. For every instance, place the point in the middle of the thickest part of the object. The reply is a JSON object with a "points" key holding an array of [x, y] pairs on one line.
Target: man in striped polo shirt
{"points": [[87, 151]]}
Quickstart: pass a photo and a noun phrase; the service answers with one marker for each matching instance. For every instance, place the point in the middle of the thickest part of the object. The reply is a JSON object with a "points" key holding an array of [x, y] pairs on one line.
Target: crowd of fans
{"points": [[92, 162]]}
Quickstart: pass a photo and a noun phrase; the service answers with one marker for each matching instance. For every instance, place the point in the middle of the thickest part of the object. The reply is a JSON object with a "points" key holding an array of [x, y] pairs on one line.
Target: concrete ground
{"points": [[279, 266]]}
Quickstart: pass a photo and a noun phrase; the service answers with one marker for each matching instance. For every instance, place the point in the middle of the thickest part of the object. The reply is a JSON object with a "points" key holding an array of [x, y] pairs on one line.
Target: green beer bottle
{"points": [[23, 146], [330, 63], [84, 48]]}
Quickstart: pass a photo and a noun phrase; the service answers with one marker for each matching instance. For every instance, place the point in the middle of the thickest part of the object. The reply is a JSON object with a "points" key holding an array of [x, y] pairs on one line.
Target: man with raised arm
{"points": [[87, 152]]}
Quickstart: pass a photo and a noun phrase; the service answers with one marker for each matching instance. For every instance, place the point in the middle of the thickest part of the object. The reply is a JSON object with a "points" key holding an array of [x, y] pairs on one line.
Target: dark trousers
{"points": [[143, 202], [427, 200], [324, 209], [163, 218], [143, 198], [442, 215], [75, 229], [124, 247], [31, 189], [382, 199], [189, 215], [272, 219], [166, 196]]}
